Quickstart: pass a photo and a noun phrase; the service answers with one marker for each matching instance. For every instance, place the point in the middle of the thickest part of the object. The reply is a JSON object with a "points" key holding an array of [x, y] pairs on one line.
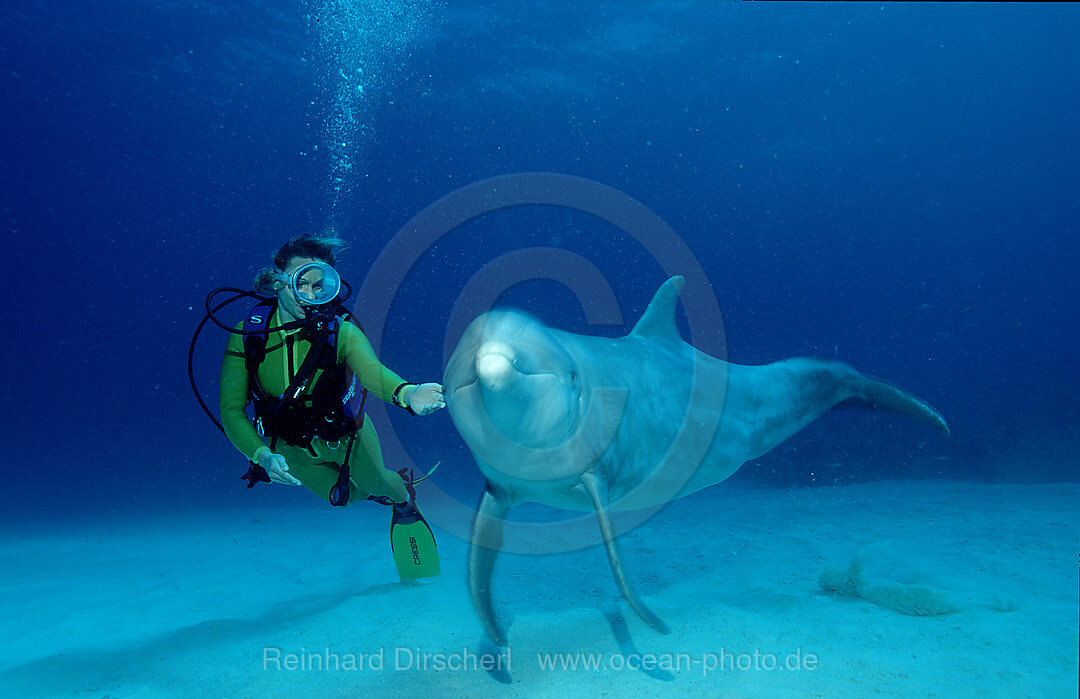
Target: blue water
{"points": [[891, 186]]}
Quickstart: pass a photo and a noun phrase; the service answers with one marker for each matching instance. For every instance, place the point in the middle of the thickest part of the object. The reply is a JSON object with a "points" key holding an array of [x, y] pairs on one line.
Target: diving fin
{"points": [[413, 543]]}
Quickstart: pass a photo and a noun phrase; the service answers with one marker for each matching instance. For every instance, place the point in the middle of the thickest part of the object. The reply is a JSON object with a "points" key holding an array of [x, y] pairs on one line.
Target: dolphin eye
{"points": [[573, 377]]}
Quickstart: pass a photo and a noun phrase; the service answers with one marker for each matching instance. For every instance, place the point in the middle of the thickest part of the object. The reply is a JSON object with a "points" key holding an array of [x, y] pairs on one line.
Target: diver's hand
{"points": [[425, 398], [275, 467]]}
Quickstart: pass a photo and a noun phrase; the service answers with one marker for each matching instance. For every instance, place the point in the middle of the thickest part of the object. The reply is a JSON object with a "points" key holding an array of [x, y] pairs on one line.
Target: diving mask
{"points": [[314, 284]]}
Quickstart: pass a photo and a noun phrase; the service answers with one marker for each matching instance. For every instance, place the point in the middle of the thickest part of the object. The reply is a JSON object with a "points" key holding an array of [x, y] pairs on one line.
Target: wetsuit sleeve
{"points": [[233, 399], [360, 356]]}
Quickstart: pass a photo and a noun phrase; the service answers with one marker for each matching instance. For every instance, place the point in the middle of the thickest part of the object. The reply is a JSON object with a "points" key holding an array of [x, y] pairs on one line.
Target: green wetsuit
{"points": [[317, 468]]}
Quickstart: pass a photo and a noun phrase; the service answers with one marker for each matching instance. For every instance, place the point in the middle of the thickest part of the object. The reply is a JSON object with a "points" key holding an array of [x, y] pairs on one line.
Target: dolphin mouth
{"points": [[494, 366], [462, 387], [475, 379], [497, 366]]}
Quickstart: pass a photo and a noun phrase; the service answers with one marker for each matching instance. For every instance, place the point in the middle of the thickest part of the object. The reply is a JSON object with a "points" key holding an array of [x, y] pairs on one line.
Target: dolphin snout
{"points": [[495, 365]]}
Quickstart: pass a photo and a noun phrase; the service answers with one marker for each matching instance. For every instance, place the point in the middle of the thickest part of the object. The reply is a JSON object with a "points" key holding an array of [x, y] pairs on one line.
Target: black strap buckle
{"points": [[255, 474], [339, 492]]}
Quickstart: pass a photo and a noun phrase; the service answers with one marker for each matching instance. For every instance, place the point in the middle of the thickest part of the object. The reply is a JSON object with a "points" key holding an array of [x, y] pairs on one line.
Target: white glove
{"points": [[275, 467], [425, 398]]}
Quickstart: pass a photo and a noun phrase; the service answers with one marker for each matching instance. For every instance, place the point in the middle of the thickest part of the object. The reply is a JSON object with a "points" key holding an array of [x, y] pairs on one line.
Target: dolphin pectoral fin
{"points": [[885, 396], [484, 545], [593, 487]]}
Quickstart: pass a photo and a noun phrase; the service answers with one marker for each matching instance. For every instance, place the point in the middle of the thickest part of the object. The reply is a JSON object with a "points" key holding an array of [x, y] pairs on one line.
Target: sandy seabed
{"points": [[930, 588]]}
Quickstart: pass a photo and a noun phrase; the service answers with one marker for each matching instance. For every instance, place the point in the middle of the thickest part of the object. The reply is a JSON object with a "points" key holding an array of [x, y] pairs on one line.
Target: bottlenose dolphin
{"points": [[602, 424]]}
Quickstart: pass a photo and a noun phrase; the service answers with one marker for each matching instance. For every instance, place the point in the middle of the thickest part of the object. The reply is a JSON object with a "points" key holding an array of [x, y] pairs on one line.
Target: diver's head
{"points": [[303, 277]]}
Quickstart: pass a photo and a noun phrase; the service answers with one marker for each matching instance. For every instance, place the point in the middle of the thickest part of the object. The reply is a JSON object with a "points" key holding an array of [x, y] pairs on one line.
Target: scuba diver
{"points": [[308, 369]]}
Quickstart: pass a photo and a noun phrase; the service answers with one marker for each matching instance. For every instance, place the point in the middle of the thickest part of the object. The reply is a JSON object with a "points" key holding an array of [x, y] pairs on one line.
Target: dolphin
{"points": [[611, 424]]}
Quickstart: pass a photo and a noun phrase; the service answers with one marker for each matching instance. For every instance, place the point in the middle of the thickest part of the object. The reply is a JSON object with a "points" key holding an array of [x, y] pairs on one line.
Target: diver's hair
{"points": [[265, 283], [305, 245]]}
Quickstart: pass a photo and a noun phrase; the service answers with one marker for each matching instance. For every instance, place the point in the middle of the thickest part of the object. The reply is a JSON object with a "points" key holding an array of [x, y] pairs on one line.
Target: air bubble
{"points": [[362, 46]]}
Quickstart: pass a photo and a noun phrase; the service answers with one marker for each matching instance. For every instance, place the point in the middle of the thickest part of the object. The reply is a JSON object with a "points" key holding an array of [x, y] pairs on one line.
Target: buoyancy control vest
{"points": [[298, 416]]}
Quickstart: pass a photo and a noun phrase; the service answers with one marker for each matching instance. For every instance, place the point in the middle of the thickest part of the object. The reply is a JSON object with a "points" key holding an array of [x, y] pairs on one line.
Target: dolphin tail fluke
{"points": [[608, 532], [485, 542], [879, 394]]}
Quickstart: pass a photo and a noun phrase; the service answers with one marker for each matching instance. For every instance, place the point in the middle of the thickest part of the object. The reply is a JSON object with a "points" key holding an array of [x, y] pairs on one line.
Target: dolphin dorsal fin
{"points": [[658, 321]]}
